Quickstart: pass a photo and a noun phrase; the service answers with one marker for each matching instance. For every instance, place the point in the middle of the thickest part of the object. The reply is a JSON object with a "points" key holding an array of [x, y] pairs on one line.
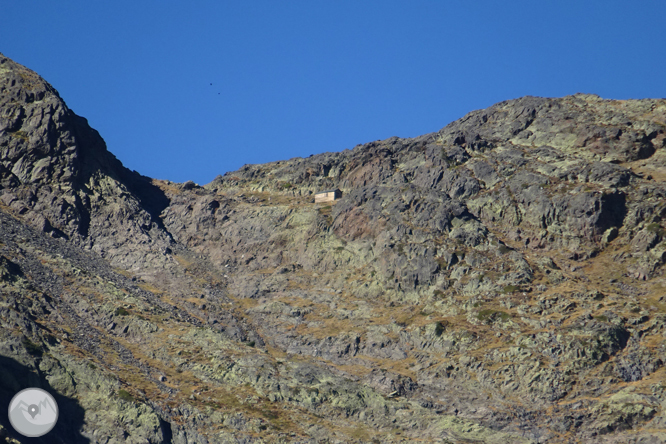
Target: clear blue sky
{"points": [[294, 78]]}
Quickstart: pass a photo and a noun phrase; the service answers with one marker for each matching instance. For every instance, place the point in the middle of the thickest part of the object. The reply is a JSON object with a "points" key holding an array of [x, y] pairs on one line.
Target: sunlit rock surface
{"points": [[498, 281]]}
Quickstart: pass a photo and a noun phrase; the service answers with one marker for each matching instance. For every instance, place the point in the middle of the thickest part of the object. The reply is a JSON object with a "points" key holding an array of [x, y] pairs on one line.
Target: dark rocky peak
{"points": [[609, 130], [43, 140], [56, 172], [38, 138]]}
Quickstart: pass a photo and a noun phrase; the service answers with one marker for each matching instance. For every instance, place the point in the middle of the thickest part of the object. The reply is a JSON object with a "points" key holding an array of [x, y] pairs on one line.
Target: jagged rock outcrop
{"points": [[497, 281], [56, 171]]}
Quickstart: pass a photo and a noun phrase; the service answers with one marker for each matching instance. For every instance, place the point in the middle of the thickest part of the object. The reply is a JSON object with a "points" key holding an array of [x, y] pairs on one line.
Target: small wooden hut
{"points": [[328, 195]]}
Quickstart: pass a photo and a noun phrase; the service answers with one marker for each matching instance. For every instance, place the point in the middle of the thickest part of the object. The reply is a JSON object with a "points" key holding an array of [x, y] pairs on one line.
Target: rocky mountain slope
{"points": [[498, 281]]}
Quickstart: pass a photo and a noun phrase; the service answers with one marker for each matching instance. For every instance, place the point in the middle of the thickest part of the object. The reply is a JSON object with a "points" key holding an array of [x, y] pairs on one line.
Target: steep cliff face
{"points": [[63, 180], [500, 280]]}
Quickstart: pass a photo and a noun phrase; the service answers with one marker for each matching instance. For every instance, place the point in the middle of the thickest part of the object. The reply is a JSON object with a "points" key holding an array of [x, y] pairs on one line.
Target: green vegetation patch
{"points": [[20, 135], [126, 396], [32, 348], [120, 311], [489, 315], [656, 228], [510, 289]]}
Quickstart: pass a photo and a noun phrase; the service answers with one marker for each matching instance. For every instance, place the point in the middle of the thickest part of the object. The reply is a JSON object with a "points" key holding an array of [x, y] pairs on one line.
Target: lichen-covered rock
{"points": [[497, 281]]}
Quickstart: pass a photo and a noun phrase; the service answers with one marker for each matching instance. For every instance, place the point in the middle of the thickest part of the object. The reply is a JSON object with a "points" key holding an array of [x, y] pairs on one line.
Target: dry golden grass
{"points": [[361, 433], [184, 262], [166, 186], [277, 198], [647, 167], [402, 367], [243, 304], [123, 272], [151, 288], [297, 302]]}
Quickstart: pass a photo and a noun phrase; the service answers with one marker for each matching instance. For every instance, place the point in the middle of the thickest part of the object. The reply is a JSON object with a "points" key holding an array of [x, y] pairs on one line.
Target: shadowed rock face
{"points": [[498, 281]]}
